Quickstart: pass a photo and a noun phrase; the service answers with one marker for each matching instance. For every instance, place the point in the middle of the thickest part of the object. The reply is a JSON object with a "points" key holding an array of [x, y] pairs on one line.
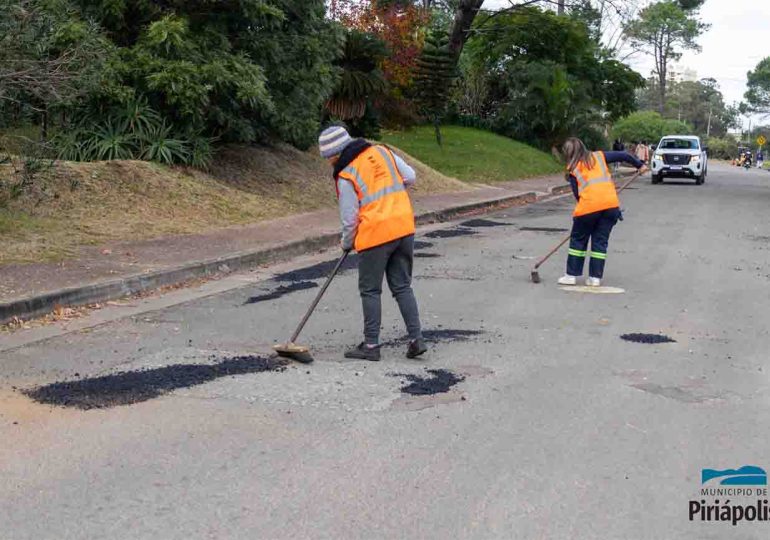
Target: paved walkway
{"points": [[99, 263]]}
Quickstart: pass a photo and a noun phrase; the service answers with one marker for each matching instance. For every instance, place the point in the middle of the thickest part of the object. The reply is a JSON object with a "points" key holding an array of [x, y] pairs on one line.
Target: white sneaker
{"points": [[567, 280], [593, 282]]}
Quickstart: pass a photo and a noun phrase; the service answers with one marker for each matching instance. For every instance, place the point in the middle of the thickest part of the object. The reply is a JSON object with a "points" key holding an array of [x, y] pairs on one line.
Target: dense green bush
{"points": [[722, 148], [515, 77], [192, 71], [647, 126]]}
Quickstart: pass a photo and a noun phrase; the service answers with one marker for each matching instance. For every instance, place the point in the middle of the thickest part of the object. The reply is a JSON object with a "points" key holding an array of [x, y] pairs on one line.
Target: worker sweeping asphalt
{"points": [[597, 210], [378, 222]]}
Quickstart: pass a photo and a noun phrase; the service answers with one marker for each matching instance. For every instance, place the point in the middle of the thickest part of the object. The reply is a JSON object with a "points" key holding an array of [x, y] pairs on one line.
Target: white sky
{"points": [[738, 39]]}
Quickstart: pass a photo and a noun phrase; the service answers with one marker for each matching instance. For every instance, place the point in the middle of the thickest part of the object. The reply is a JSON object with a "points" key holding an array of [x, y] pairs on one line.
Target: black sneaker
{"points": [[362, 352], [416, 348]]}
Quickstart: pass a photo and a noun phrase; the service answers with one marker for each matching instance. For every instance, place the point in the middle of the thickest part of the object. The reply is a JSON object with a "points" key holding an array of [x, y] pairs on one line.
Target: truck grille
{"points": [[676, 159]]}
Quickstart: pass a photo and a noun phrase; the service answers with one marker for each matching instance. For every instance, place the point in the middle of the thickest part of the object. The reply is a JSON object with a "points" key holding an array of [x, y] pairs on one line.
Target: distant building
{"points": [[682, 73]]}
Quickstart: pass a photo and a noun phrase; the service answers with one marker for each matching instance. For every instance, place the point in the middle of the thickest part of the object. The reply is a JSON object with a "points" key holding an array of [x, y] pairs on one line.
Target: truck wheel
{"points": [[656, 178], [700, 179]]}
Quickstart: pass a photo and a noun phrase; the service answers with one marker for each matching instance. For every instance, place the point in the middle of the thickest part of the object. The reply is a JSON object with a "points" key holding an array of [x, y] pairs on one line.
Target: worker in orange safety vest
{"points": [[378, 221], [597, 210]]}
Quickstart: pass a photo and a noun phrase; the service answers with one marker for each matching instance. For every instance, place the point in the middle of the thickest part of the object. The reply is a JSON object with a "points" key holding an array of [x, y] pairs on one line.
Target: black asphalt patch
{"points": [[481, 223], [128, 387], [282, 290], [647, 338], [318, 271], [441, 335], [419, 244], [450, 233], [544, 229], [439, 382], [426, 255]]}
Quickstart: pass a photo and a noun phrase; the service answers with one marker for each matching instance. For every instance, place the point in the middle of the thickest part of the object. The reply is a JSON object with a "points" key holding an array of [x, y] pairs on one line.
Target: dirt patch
{"points": [[647, 338], [124, 201], [426, 255], [450, 233], [544, 229], [439, 381], [483, 223], [318, 271], [281, 291], [128, 387]]}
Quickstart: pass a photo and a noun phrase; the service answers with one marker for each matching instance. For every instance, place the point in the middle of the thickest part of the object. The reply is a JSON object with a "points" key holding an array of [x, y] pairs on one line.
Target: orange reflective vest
{"points": [[596, 190], [385, 211]]}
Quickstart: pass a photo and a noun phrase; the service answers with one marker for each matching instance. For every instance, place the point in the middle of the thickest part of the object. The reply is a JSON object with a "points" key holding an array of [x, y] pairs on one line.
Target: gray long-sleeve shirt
{"points": [[349, 204]]}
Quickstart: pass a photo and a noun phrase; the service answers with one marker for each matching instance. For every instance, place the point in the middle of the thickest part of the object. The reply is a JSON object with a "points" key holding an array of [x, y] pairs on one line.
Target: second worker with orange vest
{"points": [[597, 210], [378, 221]]}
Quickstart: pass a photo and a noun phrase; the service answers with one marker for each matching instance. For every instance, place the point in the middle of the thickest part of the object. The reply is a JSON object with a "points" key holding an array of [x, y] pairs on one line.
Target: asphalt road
{"points": [[559, 430]]}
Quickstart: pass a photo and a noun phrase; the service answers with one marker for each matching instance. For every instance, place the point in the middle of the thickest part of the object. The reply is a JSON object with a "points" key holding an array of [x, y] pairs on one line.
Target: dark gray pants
{"points": [[394, 261]]}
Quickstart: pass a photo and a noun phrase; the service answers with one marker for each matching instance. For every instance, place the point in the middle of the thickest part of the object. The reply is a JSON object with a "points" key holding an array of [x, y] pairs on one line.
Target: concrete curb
{"points": [[35, 306]]}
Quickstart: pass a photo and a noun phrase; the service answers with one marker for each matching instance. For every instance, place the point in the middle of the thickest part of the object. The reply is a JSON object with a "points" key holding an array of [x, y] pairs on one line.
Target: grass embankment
{"points": [[474, 155], [76, 204]]}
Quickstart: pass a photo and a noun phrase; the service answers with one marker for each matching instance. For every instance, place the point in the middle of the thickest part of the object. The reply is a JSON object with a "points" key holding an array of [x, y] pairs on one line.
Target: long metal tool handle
{"points": [[319, 295], [564, 241]]}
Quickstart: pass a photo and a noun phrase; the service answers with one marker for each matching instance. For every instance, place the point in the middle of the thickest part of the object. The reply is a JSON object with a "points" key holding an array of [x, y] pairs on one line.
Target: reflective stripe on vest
{"points": [[596, 189], [605, 177], [385, 211], [360, 184]]}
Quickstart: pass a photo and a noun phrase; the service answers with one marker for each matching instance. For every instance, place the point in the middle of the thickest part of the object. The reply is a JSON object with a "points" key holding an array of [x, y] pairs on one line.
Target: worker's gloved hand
{"points": [[620, 214]]}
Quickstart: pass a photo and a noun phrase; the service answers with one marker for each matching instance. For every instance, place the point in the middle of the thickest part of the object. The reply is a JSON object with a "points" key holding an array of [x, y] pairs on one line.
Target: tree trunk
{"points": [[437, 128], [561, 7], [44, 125], [463, 20]]}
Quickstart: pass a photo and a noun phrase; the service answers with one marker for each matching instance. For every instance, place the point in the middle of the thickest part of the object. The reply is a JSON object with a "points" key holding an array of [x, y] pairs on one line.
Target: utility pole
{"points": [[560, 9], [708, 127]]}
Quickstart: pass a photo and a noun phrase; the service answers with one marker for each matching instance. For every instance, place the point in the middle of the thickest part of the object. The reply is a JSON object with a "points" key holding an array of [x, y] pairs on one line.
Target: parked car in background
{"points": [[680, 156]]}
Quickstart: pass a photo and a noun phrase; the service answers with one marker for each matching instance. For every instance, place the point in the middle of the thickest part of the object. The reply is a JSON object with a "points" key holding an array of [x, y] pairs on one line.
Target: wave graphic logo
{"points": [[748, 475]]}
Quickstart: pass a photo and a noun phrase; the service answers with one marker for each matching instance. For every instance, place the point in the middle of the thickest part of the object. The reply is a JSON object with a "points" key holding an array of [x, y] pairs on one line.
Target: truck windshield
{"points": [[679, 144]]}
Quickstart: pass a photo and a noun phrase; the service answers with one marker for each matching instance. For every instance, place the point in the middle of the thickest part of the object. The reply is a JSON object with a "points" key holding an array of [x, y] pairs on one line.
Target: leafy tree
{"points": [[49, 57], [189, 71], [647, 126], [542, 93], [663, 30], [758, 93], [698, 103], [436, 71], [360, 82]]}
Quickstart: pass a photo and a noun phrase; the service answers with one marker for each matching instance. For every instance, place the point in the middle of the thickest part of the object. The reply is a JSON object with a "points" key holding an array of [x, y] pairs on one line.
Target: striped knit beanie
{"points": [[333, 141]]}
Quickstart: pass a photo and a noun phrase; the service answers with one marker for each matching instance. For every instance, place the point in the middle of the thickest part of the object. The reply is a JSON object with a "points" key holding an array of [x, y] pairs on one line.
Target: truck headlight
{"points": [[695, 159], [659, 157]]}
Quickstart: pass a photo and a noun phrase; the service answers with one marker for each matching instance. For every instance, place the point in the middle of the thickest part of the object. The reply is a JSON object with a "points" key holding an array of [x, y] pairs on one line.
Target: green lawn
{"points": [[473, 155]]}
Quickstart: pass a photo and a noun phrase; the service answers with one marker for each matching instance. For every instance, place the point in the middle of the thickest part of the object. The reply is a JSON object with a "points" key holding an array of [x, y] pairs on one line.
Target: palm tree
{"points": [[361, 79]]}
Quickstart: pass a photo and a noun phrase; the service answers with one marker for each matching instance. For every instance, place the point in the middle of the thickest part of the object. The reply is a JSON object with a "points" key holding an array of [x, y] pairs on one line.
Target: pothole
{"points": [[427, 255], [317, 271], [419, 244], [451, 233], [129, 387], [482, 223], [544, 229], [647, 338], [281, 291], [439, 381], [441, 335]]}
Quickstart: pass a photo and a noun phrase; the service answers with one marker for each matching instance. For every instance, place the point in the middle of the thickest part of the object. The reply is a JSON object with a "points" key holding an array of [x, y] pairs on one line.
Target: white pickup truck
{"points": [[679, 156]]}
